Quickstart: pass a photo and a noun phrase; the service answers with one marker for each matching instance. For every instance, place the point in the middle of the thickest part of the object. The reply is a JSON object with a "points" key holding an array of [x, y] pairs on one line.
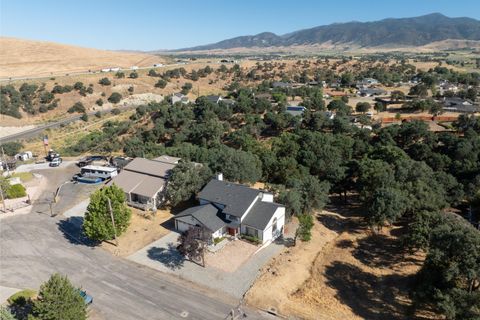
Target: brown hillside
{"points": [[27, 58]]}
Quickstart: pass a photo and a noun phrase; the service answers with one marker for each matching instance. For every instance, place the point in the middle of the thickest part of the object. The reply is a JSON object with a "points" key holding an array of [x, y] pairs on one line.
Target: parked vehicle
{"points": [[55, 162], [52, 155], [86, 297]]}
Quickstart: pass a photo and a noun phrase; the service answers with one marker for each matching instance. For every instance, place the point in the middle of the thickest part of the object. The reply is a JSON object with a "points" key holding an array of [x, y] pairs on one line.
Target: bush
{"points": [[120, 75], [11, 148], [115, 97], [98, 114], [133, 75], [252, 239], [161, 84], [105, 82], [218, 240], [16, 191], [99, 102], [77, 107], [84, 117], [21, 297], [116, 111]]}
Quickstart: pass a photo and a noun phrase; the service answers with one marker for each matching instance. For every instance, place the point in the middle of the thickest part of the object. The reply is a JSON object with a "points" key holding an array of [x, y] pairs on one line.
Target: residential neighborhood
{"points": [[252, 160]]}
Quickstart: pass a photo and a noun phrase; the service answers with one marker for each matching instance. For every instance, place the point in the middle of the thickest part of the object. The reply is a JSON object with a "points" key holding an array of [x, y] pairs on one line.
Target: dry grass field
{"points": [[27, 58], [344, 272]]}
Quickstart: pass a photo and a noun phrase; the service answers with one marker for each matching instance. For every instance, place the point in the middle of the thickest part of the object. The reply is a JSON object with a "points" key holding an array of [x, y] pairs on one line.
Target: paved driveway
{"points": [[163, 256]]}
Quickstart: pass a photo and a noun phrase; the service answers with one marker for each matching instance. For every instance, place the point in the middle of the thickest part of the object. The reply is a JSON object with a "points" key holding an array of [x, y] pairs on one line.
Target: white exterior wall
{"points": [[267, 233], [219, 233]]}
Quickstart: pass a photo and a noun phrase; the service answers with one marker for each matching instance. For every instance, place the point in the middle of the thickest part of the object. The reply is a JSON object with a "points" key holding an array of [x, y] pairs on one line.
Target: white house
{"points": [[233, 209]]}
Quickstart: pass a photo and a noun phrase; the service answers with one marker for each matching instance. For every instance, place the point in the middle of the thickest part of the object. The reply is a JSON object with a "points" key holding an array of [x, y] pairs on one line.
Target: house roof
{"points": [[208, 215], [167, 159], [260, 214], [213, 98], [138, 183], [150, 167], [235, 197]]}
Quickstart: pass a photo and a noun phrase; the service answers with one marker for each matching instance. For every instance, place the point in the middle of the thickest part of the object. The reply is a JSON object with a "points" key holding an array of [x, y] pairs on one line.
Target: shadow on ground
{"points": [[72, 231], [169, 257], [380, 251], [370, 296]]}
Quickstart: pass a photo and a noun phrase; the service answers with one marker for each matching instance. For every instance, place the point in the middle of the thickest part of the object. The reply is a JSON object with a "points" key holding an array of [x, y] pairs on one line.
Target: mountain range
{"points": [[416, 31]]}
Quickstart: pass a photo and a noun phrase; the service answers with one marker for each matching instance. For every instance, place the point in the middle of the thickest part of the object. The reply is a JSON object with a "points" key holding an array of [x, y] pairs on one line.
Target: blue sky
{"points": [[170, 24]]}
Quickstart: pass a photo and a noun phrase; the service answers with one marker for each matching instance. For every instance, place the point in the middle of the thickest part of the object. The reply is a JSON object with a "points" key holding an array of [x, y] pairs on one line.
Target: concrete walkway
{"points": [[78, 210], [162, 255], [6, 292]]}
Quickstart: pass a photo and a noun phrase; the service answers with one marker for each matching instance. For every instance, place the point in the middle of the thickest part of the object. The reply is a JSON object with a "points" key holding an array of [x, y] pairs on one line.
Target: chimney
{"points": [[219, 176]]}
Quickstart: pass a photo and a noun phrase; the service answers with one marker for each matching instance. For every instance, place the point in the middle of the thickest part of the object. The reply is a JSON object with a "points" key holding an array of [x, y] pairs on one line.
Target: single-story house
{"points": [[295, 110], [179, 97], [456, 104], [144, 181], [368, 92], [214, 98], [281, 84], [230, 209]]}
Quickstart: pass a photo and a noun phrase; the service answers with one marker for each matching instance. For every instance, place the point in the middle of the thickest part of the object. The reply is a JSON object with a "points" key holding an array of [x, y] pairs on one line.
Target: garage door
{"points": [[182, 226]]}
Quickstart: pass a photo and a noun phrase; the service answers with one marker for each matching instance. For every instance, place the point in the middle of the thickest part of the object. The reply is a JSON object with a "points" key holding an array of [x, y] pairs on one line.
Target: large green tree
{"points": [[58, 299], [97, 224], [187, 178]]}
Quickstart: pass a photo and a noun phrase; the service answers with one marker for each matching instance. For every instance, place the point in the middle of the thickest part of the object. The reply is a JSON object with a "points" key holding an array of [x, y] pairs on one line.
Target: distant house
{"points": [[144, 181], [281, 84], [228, 102], [179, 97], [445, 86], [366, 82], [457, 104], [295, 110], [214, 98], [369, 92], [230, 209]]}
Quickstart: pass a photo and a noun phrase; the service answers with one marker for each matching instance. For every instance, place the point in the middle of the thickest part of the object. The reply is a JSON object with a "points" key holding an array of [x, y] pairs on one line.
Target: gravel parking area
{"points": [[163, 256]]}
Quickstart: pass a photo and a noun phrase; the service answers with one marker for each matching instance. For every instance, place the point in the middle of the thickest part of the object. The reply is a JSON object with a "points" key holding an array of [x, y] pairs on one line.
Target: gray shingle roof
{"points": [[150, 167], [208, 215], [235, 197], [260, 214]]}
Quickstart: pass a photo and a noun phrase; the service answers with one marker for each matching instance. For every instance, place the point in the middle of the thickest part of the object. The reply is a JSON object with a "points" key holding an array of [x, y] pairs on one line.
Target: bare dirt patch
{"points": [[344, 273], [230, 257], [143, 229]]}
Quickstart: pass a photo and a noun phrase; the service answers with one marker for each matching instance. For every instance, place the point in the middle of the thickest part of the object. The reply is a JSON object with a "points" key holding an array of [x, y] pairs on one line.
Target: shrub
{"points": [[252, 239], [16, 191], [84, 117], [161, 84], [116, 111], [115, 97], [99, 102], [77, 107], [133, 75], [21, 297], [11, 148], [105, 82], [98, 114], [120, 75], [218, 240]]}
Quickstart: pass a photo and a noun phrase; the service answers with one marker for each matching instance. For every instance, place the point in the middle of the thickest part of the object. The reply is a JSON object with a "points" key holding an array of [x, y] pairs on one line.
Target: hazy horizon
{"points": [[150, 25]]}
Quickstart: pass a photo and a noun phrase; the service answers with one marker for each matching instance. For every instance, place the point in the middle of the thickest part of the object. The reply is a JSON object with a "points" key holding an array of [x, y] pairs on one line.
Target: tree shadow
{"points": [[369, 296], [345, 244], [72, 231], [169, 257], [382, 251]]}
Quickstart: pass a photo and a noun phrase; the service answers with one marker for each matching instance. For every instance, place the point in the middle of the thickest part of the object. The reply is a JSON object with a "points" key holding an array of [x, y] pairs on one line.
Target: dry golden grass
{"points": [[27, 58]]}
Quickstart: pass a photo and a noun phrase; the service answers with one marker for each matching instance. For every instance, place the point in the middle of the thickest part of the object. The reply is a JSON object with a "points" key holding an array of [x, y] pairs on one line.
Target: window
{"points": [[251, 232]]}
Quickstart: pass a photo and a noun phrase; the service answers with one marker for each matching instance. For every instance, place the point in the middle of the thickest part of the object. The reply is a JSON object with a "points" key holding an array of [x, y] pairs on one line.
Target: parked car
{"points": [[55, 162], [86, 297]]}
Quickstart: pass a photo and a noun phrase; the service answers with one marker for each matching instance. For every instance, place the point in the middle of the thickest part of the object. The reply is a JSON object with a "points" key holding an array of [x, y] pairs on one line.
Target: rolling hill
{"points": [[404, 32], [27, 58]]}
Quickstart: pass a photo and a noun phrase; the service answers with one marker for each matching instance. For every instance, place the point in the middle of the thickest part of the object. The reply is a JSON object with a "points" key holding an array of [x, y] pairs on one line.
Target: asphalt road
{"points": [[35, 245], [38, 130]]}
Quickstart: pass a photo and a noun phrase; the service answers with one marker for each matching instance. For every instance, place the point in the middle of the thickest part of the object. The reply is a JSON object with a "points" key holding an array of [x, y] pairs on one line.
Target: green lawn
{"points": [[24, 176]]}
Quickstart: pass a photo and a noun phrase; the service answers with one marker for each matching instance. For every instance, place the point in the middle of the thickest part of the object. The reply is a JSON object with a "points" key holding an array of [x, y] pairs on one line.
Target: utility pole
{"points": [[6, 163], [3, 199], [113, 221]]}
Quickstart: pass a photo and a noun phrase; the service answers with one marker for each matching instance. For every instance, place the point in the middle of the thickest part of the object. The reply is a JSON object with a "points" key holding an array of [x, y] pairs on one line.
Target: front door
{"points": [[232, 231]]}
